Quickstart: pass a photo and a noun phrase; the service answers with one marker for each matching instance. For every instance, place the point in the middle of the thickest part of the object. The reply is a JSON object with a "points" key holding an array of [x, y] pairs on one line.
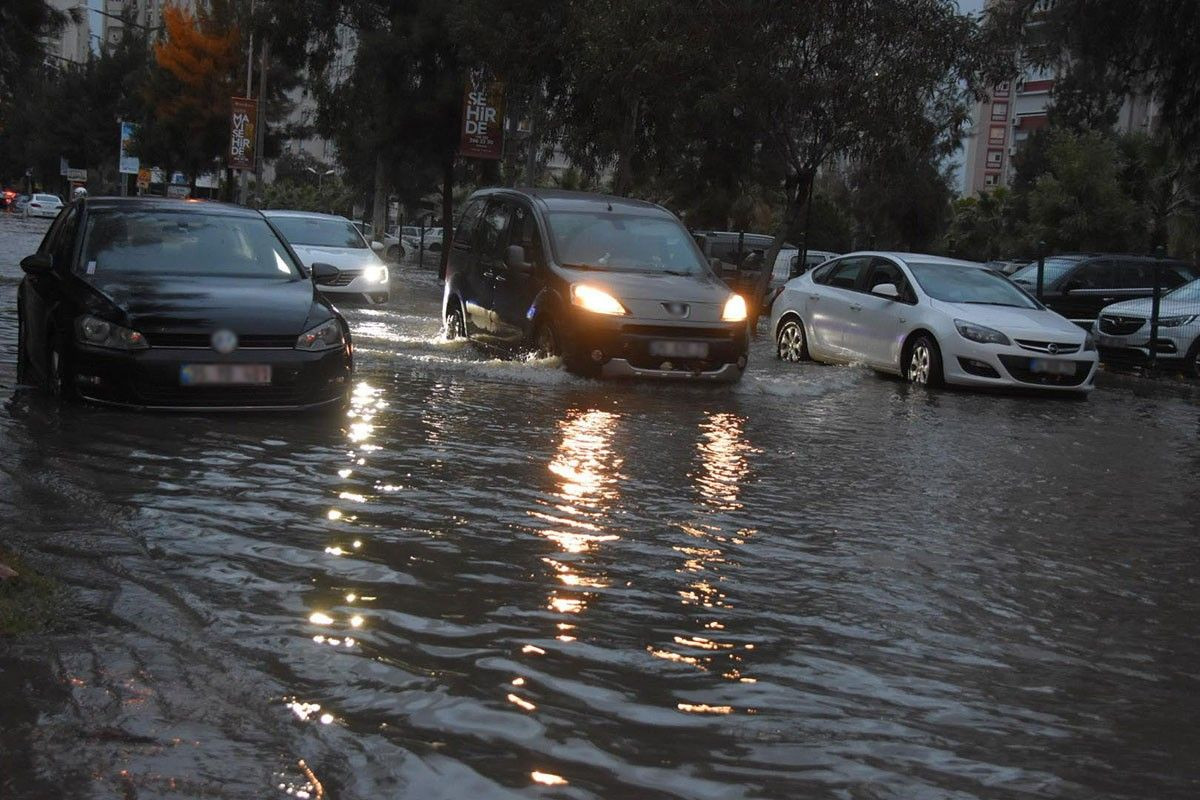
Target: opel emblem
{"points": [[677, 309], [1052, 348], [224, 341]]}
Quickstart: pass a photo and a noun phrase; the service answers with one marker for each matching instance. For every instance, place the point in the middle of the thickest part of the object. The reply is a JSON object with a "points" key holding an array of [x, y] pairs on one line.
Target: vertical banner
{"points": [[127, 162], [482, 119], [241, 132]]}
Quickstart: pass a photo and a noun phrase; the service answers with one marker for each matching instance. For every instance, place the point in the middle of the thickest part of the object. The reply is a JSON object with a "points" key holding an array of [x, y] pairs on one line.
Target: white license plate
{"points": [[669, 348], [224, 374], [1109, 341], [1049, 367]]}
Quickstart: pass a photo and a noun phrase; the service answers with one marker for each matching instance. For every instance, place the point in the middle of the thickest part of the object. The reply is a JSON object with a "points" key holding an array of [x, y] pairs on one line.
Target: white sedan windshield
{"points": [[952, 283]]}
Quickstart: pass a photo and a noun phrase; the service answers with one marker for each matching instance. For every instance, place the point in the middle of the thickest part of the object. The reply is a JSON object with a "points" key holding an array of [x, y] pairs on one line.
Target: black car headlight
{"points": [[326, 336], [980, 333], [102, 333]]}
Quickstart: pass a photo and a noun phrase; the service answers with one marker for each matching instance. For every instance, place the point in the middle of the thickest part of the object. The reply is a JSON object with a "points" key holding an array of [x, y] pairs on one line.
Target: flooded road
{"points": [[493, 580]]}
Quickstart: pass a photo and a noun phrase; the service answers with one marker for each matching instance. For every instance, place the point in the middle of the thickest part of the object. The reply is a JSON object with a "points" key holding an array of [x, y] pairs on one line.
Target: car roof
{"points": [[563, 200], [165, 204], [284, 213], [923, 258]]}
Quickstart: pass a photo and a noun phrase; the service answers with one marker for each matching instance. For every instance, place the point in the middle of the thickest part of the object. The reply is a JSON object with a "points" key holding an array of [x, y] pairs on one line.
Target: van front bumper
{"points": [[627, 348]]}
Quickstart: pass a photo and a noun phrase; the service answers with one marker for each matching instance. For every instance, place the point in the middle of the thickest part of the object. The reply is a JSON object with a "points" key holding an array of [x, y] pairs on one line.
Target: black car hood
{"points": [[203, 304]]}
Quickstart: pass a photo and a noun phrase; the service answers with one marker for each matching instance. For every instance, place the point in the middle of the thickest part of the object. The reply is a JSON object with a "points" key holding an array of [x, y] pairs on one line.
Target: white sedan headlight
{"points": [[101, 333], [377, 274], [735, 309], [326, 336], [980, 333]]}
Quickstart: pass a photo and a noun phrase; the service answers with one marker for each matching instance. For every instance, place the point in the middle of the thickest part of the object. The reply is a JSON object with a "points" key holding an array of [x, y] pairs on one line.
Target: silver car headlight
{"points": [[326, 336], [101, 333], [1175, 322], [376, 274], [980, 333]]}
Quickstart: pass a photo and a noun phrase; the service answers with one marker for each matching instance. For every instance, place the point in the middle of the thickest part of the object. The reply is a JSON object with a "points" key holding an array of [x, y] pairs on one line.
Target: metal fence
{"points": [[1144, 311]]}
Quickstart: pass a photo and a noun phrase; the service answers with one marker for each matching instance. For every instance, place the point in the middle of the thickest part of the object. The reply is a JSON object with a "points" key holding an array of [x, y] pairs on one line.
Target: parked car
{"points": [[19, 203], [788, 266], [43, 205], [738, 257], [931, 320], [1123, 330], [155, 303], [1078, 286], [7, 198], [1007, 267], [614, 286], [325, 238]]}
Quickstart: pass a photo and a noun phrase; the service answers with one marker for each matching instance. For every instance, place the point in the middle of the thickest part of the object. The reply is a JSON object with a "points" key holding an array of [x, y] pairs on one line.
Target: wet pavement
{"points": [[493, 579]]}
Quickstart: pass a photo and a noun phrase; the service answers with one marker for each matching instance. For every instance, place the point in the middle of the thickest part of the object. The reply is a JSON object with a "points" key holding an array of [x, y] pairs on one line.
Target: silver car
{"points": [[329, 239], [1123, 329]]}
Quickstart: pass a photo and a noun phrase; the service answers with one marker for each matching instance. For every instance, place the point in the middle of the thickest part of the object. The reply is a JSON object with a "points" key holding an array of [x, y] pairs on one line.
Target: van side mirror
{"points": [[323, 273], [514, 259], [887, 290], [37, 264]]}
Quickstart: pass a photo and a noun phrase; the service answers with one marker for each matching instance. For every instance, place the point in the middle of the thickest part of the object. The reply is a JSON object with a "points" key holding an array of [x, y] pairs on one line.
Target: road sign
{"points": [[143, 179]]}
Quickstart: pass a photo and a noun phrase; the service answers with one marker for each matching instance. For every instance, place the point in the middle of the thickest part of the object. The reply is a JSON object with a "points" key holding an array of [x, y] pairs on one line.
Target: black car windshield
{"points": [[1055, 268], [1188, 293], [317, 232], [616, 242], [118, 242], [953, 283]]}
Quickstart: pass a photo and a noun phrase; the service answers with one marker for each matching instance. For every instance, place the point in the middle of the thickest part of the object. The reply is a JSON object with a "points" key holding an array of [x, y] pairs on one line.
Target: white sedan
{"points": [[329, 239], [43, 205], [931, 320]]}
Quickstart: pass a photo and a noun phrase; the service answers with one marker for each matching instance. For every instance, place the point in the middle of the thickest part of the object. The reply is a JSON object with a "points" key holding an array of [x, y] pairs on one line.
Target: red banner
{"points": [[243, 118], [482, 120]]}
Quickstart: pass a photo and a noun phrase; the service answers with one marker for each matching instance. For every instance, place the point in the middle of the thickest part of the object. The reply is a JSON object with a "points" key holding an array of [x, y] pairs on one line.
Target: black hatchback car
{"points": [[173, 304], [1079, 286], [616, 287]]}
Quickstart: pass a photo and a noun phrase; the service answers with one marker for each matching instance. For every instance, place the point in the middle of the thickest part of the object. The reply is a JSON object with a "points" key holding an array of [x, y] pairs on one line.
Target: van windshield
{"points": [[614, 242]]}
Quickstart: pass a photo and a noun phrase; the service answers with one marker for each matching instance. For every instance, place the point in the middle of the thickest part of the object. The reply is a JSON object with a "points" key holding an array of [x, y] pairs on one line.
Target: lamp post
{"points": [[320, 175]]}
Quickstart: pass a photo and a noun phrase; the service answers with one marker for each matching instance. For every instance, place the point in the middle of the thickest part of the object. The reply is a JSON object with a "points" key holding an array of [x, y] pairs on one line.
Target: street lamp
{"points": [[320, 175]]}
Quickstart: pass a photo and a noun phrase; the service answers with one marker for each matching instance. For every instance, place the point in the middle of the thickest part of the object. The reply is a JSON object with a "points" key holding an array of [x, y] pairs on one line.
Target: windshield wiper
{"points": [[676, 272], [989, 303]]}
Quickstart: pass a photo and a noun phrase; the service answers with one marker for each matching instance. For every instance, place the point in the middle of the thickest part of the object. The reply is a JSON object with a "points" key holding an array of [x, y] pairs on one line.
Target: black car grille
{"points": [[344, 278], [1057, 348], [1019, 368], [1120, 326], [204, 340]]}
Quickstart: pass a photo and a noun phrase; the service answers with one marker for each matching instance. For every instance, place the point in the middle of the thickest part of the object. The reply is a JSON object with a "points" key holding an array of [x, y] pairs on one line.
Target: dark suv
{"points": [[1078, 286], [616, 287]]}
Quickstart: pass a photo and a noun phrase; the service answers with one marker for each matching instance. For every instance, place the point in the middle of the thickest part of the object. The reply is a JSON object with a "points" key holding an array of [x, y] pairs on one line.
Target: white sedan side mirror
{"points": [[377, 247], [888, 290]]}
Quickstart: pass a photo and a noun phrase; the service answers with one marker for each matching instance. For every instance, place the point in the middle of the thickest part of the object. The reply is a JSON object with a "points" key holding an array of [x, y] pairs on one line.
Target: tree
{"points": [[24, 26]]}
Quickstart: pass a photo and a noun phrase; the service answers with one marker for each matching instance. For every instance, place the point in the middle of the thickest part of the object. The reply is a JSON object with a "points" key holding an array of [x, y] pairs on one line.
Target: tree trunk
{"points": [[797, 202], [379, 204], [623, 179], [447, 213]]}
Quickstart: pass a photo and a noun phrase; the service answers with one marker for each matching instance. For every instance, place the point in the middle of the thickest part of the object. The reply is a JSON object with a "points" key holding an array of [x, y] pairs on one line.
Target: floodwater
{"points": [[495, 580]]}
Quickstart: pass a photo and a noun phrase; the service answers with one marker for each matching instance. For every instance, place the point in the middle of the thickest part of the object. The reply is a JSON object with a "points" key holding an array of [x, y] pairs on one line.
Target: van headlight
{"points": [[376, 274], [326, 336], [980, 333], [735, 309], [598, 301], [101, 333]]}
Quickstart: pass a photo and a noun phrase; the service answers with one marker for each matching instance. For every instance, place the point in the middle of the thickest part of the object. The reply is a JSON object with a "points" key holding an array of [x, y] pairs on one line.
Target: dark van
{"points": [[1079, 286], [616, 287]]}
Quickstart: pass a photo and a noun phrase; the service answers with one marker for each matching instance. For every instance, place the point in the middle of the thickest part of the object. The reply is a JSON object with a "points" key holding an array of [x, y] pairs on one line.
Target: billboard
{"points": [[127, 162], [243, 118], [482, 119]]}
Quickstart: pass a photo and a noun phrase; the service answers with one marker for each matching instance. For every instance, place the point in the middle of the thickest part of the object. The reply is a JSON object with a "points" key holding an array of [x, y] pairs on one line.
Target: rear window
{"points": [[46, 198], [319, 232], [180, 243]]}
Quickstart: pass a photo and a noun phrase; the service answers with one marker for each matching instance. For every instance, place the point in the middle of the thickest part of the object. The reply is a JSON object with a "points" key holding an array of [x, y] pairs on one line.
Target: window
{"points": [[885, 271], [493, 229], [464, 233], [995, 158], [955, 283], [525, 233], [320, 232], [1091, 275], [614, 242], [843, 274], [1000, 111], [64, 244], [1134, 275], [990, 179], [996, 134], [1002, 89]]}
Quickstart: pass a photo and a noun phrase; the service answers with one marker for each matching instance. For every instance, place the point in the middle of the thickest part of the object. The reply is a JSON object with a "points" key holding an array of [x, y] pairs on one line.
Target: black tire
{"points": [[24, 365], [549, 341], [1191, 364], [923, 362], [455, 323], [60, 376], [791, 344]]}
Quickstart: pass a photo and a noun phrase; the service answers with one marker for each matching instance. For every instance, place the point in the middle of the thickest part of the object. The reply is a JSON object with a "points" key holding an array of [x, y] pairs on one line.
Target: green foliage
{"points": [[332, 197], [24, 24]]}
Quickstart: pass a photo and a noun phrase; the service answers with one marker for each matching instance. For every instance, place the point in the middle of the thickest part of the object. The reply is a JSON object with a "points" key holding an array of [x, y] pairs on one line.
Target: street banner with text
{"points": [[242, 120], [483, 119], [127, 162]]}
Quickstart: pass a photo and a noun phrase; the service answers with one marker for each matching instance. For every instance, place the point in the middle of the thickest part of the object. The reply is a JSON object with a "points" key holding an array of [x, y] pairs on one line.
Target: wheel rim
{"points": [[547, 344], [791, 342], [454, 325], [918, 367]]}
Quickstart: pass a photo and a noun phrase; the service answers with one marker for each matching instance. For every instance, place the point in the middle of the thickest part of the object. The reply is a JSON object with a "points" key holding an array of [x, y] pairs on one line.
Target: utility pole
{"points": [[249, 84], [260, 133]]}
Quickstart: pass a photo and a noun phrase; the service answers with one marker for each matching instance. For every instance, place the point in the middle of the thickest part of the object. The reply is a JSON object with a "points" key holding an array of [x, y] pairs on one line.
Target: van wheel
{"points": [[790, 344], [455, 327], [924, 362], [547, 343]]}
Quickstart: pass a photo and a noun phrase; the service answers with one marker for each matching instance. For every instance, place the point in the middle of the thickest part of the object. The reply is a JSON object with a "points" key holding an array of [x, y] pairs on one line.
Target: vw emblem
{"points": [[1052, 349], [224, 341]]}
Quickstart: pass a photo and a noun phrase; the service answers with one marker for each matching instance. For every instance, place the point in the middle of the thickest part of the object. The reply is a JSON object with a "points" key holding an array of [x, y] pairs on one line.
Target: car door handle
{"points": [[814, 297], [855, 308]]}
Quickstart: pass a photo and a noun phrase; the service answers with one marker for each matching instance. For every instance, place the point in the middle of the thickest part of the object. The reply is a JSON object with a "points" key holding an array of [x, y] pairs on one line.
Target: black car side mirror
{"points": [[514, 259], [37, 264], [324, 273]]}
